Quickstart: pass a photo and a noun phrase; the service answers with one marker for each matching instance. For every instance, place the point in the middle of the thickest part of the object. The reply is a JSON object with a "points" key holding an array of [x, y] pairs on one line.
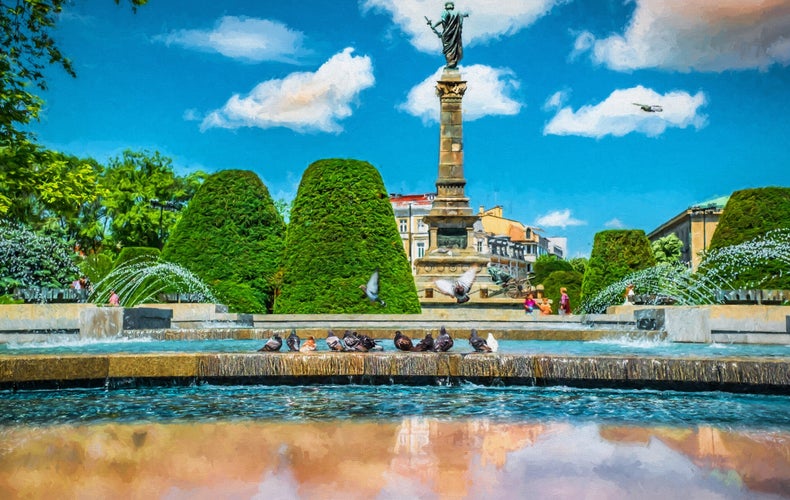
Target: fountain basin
{"points": [[757, 375]]}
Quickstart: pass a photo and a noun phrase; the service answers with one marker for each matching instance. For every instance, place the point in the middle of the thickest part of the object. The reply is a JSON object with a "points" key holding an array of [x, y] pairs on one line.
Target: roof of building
{"points": [[719, 202]]}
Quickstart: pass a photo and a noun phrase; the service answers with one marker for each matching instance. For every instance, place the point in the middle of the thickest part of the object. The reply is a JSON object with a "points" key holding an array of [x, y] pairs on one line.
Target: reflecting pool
{"points": [[350, 441]]}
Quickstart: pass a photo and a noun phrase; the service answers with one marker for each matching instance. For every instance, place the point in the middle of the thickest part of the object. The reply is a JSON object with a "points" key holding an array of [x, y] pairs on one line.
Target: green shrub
{"points": [[547, 264], [28, 260], [615, 254], [750, 214], [571, 280], [97, 266], [341, 229], [231, 236], [9, 299]]}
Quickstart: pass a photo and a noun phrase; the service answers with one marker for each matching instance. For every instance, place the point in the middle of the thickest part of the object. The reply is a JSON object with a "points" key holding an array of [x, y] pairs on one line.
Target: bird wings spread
{"points": [[373, 283], [445, 287], [467, 279]]}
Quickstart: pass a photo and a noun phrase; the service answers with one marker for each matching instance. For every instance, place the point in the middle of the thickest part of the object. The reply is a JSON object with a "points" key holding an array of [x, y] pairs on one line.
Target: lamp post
{"points": [[170, 206]]}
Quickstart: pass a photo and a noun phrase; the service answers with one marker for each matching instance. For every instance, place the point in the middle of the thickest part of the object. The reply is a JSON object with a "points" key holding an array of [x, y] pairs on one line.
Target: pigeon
{"points": [[459, 289], [274, 344], [369, 343], [403, 342], [492, 342], [293, 340], [309, 345], [425, 344], [353, 343], [443, 342], [372, 289], [334, 342], [479, 343]]}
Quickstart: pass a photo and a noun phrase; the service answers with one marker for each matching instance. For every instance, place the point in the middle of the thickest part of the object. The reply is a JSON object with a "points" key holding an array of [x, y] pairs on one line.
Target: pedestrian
{"points": [[529, 304], [565, 302], [114, 299]]}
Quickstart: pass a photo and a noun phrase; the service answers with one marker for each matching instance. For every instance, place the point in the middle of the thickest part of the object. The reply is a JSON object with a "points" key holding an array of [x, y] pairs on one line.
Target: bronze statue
{"points": [[451, 24]]}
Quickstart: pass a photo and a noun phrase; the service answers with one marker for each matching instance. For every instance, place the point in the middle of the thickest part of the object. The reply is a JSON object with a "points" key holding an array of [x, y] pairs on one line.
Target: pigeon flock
{"points": [[357, 342]]}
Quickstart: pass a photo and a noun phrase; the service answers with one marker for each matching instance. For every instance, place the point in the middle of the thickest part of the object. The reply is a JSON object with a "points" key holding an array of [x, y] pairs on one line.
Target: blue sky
{"points": [[550, 131]]}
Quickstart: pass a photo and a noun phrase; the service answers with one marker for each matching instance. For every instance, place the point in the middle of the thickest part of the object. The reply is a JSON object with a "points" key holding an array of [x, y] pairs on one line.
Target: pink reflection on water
{"points": [[413, 458]]}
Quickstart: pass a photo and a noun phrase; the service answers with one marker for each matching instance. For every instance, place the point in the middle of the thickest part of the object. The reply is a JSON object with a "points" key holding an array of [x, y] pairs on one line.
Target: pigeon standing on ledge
{"points": [[309, 345], [274, 344], [443, 342], [402, 342], [333, 342], [479, 343], [425, 344], [293, 340]]}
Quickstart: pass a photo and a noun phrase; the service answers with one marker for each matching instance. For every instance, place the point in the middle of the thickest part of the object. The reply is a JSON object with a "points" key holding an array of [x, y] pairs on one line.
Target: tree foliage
{"points": [[342, 228], [667, 250], [130, 182], [547, 264], [579, 264], [28, 49], [615, 254], [231, 236]]}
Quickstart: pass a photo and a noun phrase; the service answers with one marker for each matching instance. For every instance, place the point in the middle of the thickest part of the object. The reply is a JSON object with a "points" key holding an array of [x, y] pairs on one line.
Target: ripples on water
{"points": [[468, 401]]}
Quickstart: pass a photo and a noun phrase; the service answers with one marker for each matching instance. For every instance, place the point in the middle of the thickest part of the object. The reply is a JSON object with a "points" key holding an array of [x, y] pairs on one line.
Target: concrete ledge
{"points": [[769, 375]]}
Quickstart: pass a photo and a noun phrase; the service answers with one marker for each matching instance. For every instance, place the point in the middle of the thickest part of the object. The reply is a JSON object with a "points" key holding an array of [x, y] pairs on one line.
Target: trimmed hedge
{"points": [[748, 215], [231, 236], [615, 254], [547, 264], [341, 229]]}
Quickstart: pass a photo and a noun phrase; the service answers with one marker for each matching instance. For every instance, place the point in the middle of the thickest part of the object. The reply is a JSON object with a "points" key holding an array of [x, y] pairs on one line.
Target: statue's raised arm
{"points": [[452, 24]]}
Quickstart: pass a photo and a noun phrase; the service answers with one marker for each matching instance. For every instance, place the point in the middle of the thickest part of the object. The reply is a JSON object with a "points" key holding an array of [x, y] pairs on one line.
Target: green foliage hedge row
{"points": [[547, 264], [231, 236], [615, 254], [28, 259], [571, 280], [341, 229]]}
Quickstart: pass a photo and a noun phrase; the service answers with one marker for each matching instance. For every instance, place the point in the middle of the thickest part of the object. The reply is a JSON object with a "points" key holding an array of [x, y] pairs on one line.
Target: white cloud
{"points": [[243, 38], [488, 92], [488, 19], [697, 35], [556, 100], [559, 218], [618, 116], [614, 223], [301, 101]]}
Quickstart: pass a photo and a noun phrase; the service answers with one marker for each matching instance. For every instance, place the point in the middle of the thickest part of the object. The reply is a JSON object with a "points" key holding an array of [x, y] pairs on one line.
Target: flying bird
{"points": [[443, 342], [403, 342], [309, 345], [649, 108], [273, 344], [334, 342], [459, 289], [372, 289], [492, 342], [478, 343], [293, 341], [425, 344]]}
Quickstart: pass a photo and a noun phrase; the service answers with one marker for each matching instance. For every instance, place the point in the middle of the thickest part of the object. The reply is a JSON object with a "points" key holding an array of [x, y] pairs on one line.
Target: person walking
{"points": [[565, 302]]}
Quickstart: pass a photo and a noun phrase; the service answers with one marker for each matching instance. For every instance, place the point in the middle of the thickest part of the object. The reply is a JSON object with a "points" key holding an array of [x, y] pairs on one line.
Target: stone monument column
{"points": [[451, 221]]}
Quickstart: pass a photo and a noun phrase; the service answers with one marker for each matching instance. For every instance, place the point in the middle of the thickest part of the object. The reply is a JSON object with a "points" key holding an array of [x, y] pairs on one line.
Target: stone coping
{"points": [[751, 375]]}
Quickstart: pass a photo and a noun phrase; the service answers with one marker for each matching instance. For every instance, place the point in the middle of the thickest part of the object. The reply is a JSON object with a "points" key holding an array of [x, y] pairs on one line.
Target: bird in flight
{"points": [[371, 289], [649, 108], [459, 289]]}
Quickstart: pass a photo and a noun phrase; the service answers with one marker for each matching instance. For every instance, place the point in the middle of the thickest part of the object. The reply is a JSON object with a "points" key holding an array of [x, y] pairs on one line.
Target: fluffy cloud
{"points": [[559, 218], [243, 38], [489, 93], [695, 35], [614, 223], [492, 18], [618, 116], [302, 101]]}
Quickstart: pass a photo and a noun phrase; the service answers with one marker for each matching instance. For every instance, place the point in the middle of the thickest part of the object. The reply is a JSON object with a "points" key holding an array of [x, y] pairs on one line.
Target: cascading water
{"points": [[143, 279], [678, 284]]}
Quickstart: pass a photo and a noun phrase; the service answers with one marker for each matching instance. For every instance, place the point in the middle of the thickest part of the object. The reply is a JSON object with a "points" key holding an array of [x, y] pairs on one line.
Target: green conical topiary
{"points": [[341, 229], [616, 253], [231, 236]]}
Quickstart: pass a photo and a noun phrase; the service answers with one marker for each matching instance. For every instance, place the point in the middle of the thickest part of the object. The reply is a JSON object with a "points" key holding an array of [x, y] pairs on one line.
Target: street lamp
{"points": [[170, 206]]}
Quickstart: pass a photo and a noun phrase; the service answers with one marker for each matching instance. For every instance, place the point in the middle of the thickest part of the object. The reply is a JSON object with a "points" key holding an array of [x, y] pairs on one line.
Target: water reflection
{"points": [[415, 457]]}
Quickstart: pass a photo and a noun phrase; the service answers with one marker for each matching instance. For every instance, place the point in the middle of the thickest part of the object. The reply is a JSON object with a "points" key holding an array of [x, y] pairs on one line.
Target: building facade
{"points": [[694, 227]]}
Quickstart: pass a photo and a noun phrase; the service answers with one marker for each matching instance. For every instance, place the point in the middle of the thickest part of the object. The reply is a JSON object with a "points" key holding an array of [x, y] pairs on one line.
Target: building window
{"points": [[404, 225], [420, 249], [479, 246]]}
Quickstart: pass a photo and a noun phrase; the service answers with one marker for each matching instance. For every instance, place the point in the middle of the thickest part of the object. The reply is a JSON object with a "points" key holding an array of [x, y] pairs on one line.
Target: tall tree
{"points": [[28, 48], [131, 182], [615, 254]]}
